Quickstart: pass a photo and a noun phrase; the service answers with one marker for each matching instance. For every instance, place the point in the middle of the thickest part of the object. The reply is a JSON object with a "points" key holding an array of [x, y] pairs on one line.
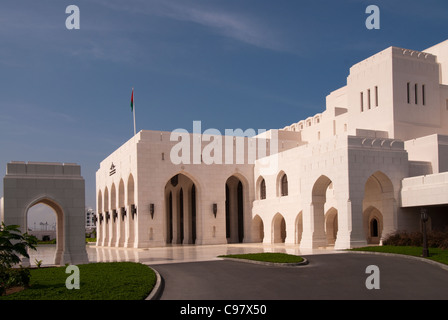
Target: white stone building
{"points": [[346, 177]]}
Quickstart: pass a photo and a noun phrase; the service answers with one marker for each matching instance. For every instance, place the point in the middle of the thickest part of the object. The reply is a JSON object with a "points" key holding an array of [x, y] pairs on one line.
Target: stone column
{"points": [[175, 218], [187, 216]]}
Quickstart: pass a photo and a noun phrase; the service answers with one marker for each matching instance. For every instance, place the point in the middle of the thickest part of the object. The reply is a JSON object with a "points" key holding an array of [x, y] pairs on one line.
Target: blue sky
{"points": [[261, 64]]}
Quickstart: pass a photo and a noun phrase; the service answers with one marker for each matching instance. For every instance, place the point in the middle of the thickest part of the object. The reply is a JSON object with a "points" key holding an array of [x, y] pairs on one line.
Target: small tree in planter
{"points": [[14, 244]]}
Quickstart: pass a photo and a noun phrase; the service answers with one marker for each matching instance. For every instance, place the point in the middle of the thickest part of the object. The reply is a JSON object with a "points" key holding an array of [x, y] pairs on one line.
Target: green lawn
{"points": [[98, 281], [436, 254], [267, 257]]}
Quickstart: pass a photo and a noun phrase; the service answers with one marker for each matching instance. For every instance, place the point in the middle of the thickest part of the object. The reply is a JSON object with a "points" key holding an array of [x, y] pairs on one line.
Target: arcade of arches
{"points": [[378, 203], [183, 222]]}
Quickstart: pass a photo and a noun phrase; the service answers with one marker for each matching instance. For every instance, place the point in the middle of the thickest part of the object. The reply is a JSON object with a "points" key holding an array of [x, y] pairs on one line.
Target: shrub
{"points": [[436, 239], [18, 277], [444, 244], [14, 244]]}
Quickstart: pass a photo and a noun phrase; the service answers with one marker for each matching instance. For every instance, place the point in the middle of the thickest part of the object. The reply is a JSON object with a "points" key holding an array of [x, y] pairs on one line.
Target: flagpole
{"points": [[134, 118], [133, 109]]}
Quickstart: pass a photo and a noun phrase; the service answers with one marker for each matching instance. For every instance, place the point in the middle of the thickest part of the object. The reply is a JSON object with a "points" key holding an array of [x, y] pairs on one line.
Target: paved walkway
{"points": [[196, 273], [175, 253]]}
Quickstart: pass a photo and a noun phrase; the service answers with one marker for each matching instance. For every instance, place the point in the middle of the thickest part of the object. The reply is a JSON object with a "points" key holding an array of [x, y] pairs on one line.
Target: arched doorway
{"points": [[180, 210], [322, 189], [278, 229], [373, 225], [234, 210], [379, 207]]}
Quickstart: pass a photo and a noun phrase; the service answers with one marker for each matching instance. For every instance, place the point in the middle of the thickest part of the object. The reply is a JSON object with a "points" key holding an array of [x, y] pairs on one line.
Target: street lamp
{"points": [[424, 218]]}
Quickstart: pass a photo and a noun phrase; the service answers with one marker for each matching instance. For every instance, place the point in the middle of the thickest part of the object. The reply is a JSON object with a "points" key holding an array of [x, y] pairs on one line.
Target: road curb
{"points": [[275, 264], [435, 263], [157, 289]]}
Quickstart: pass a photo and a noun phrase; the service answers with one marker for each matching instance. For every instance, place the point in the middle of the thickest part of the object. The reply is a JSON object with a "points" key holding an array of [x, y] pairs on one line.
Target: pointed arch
{"points": [[319, 198], [261, 188], [113, 197], [100, 202], [379, 207], [373, 225], [281, 184], [106, 200], [320, 186], [278, 228], [257, 229], [60, 224], [180, 195], [121, 194], [131, 190]]}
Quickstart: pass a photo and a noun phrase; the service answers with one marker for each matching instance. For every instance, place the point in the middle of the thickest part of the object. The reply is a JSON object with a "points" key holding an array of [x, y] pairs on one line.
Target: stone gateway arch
{"points": [[57, 185]]}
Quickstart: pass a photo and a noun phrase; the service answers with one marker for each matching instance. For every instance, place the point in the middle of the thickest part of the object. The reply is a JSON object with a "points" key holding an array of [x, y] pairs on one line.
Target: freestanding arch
{"points": [[61, 187]]}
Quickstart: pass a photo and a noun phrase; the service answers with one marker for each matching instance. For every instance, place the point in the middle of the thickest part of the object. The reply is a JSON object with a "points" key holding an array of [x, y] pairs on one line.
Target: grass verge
{"points": [[267, 257], [436, 254], [98, 281]]}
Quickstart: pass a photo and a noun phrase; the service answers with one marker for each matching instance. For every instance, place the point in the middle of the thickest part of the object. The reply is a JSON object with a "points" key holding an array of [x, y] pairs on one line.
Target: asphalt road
{"points": [[326, 277]]}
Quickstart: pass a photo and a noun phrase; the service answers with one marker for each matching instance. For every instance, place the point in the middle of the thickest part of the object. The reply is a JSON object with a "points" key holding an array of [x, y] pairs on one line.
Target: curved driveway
{"points": [[327, 276]]}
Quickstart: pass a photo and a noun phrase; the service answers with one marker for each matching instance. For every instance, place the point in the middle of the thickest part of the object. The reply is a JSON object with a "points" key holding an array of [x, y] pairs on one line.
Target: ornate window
{"points": [[284, 186], [262, 190]]}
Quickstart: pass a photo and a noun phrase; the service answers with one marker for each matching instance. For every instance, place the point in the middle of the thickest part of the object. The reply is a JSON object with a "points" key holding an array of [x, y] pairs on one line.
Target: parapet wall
{"points": [[42, 169]]}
